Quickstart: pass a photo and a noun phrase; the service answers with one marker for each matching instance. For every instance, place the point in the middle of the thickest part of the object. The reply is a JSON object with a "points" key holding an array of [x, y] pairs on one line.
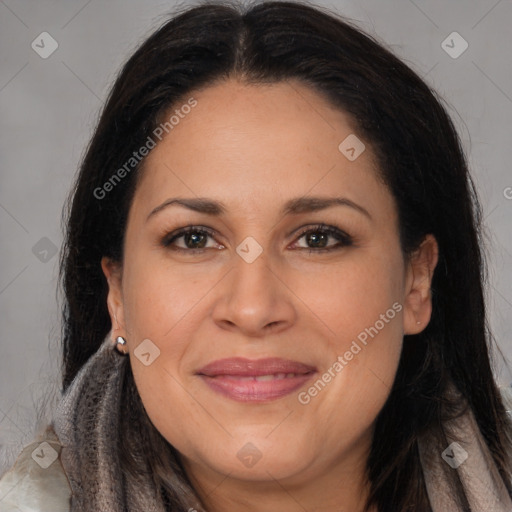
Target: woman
{"points": [[274, 285]]}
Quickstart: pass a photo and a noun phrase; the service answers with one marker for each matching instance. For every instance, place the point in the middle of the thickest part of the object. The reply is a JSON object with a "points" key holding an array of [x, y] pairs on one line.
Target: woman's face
{"points": [[258, 289]]}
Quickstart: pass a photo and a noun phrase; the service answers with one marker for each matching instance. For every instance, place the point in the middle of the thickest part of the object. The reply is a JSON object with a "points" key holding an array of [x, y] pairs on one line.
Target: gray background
{"points": [[49, 107]]}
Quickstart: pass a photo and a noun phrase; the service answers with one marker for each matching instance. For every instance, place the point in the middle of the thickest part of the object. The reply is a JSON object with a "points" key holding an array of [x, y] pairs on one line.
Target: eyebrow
{"points": [[293, 206]]}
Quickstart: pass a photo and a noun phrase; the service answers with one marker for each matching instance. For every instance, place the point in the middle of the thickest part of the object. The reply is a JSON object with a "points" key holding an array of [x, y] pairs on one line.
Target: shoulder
{"points": [[37, 481]]}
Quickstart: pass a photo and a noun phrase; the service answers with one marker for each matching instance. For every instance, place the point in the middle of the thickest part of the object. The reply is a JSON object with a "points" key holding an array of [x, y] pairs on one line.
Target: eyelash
{"points": [[344, 240]]}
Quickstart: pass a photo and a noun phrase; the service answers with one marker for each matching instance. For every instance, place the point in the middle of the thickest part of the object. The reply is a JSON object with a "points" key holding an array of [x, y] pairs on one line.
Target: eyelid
{"points": [[344, 239], [179, 232]]}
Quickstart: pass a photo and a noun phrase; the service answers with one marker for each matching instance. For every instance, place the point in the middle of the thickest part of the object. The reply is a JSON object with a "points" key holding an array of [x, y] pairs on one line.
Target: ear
{"points": [[418, 299], [113, 273]]}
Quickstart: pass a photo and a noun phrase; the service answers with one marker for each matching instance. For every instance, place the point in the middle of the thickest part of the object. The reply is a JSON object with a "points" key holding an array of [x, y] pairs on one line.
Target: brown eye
{"points": [[317, 238], [192, 238]]}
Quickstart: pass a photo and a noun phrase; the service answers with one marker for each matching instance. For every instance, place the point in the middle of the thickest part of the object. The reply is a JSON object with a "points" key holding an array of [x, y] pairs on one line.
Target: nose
{"points": [[253, 300]]}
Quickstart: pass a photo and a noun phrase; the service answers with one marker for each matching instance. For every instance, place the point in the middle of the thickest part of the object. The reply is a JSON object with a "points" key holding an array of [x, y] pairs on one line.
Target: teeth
{"points": [[263, 378]]}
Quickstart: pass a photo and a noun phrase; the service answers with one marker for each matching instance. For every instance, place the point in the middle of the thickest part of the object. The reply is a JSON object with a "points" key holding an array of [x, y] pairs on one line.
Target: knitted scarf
{"points": [[87, 420]]}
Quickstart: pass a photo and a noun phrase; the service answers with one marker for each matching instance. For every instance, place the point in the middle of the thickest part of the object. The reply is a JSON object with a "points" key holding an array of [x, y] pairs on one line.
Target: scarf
{"points": [[87, 421], [88, 415]]}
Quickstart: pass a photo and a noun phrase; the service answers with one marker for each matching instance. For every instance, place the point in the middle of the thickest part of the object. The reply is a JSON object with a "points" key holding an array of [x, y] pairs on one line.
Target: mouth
{"points": [[259, 380]]}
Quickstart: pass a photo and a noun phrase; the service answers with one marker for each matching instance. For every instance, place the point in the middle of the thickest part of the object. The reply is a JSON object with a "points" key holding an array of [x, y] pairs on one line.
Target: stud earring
{"points": [[418, 322], [120, 341]]}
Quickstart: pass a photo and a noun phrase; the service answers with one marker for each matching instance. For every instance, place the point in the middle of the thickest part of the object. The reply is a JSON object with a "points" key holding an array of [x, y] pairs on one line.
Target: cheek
{"points": [[159, 297], [349, 298], [360, 309], [159, 306], [166, 401]]}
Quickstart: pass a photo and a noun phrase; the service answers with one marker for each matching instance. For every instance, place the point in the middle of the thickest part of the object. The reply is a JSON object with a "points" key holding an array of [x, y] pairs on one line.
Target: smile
{"points": [[260, 380]]}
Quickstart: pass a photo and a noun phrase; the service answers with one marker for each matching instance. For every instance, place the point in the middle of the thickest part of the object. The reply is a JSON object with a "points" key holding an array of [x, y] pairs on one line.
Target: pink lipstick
{"points": [[255, 380]]}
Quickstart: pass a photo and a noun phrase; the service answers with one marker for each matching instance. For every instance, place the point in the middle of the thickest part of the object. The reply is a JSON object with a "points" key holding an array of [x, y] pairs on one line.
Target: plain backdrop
{"points": [[49, 107]]}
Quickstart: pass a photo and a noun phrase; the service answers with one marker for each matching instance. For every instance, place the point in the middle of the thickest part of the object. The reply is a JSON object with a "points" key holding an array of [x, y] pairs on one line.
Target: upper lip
{"points": [[243, 367]]}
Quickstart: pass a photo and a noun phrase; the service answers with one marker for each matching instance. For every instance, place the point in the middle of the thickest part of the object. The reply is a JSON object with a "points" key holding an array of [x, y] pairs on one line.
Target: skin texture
{"points": [[253, 148]]}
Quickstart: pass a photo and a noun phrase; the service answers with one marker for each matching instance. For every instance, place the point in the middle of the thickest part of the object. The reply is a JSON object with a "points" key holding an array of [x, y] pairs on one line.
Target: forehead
{"points": [[258, 145]]}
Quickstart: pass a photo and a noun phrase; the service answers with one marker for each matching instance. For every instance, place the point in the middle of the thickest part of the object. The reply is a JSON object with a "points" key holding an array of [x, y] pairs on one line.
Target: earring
{"points": [[120, 341], [418, 322]]}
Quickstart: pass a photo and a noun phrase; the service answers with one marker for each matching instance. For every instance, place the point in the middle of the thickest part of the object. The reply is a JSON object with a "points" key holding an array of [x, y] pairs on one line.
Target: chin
{"points": [[259, 459]]}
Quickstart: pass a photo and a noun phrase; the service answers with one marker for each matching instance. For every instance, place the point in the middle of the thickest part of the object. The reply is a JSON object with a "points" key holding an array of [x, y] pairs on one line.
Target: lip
{"points": [[255, 380]]}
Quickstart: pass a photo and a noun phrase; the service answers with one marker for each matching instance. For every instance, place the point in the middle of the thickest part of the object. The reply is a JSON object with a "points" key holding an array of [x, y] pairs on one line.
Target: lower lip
{"points": [[253, 390]]}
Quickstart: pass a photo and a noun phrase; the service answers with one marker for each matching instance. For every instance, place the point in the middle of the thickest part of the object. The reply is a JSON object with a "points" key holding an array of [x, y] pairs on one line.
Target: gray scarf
{"points": [[87, 422], [87, 419]]}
